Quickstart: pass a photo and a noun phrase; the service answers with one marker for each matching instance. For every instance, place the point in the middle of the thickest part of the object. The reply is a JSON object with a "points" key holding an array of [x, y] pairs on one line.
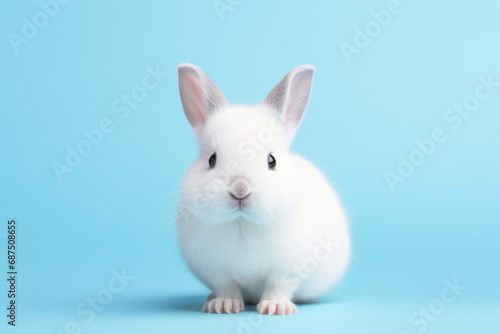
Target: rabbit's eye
{"points": [[271, 161], [212, 160]]}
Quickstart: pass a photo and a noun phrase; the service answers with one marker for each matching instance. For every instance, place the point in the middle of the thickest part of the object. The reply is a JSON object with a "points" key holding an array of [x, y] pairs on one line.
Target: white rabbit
{"points": [[257, 223]]}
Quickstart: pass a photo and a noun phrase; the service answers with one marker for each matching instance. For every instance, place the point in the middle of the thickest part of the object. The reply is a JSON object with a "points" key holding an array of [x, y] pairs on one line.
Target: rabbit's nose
{"points": [[240, 189], [239, 198]]}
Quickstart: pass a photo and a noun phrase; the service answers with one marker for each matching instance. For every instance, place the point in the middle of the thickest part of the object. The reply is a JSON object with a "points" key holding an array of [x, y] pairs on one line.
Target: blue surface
{"points": [[367, 109]]}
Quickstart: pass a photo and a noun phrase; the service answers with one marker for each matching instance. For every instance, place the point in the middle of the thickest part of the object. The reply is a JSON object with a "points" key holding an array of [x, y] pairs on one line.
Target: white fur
{"points": [[253, 255]]}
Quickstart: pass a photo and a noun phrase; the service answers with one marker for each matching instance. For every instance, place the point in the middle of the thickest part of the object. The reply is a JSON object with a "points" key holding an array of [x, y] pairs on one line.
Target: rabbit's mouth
{"points": [[239, 200], [241, 207]]}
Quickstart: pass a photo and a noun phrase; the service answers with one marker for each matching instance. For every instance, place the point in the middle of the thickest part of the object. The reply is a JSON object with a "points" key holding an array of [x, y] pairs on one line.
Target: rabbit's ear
{"points": [[291, 95], [199, 95]]}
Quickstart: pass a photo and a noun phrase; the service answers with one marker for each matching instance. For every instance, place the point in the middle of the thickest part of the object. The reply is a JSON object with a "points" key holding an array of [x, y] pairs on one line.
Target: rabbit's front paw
{"points": [[223, 305], [276, 307]]}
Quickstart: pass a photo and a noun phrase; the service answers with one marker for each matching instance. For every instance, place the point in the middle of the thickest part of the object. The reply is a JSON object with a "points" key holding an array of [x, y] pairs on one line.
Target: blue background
{"points": [[112, 211]]}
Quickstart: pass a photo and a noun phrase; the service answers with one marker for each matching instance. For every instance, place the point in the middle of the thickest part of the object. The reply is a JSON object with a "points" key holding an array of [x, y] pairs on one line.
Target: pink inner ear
{"points": [[193, 98], [298, 97], [291, 95]]}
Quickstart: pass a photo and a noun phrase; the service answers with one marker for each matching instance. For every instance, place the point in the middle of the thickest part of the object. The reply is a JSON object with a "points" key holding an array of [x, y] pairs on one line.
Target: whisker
{"points": [[182, 211], [188, 225], [210, 224], [194, 242], [182, 155]]}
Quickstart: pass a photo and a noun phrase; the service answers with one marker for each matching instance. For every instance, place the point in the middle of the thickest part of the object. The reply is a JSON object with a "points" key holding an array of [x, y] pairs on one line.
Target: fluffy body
{"points": [[257, 223], [262, 252]]}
